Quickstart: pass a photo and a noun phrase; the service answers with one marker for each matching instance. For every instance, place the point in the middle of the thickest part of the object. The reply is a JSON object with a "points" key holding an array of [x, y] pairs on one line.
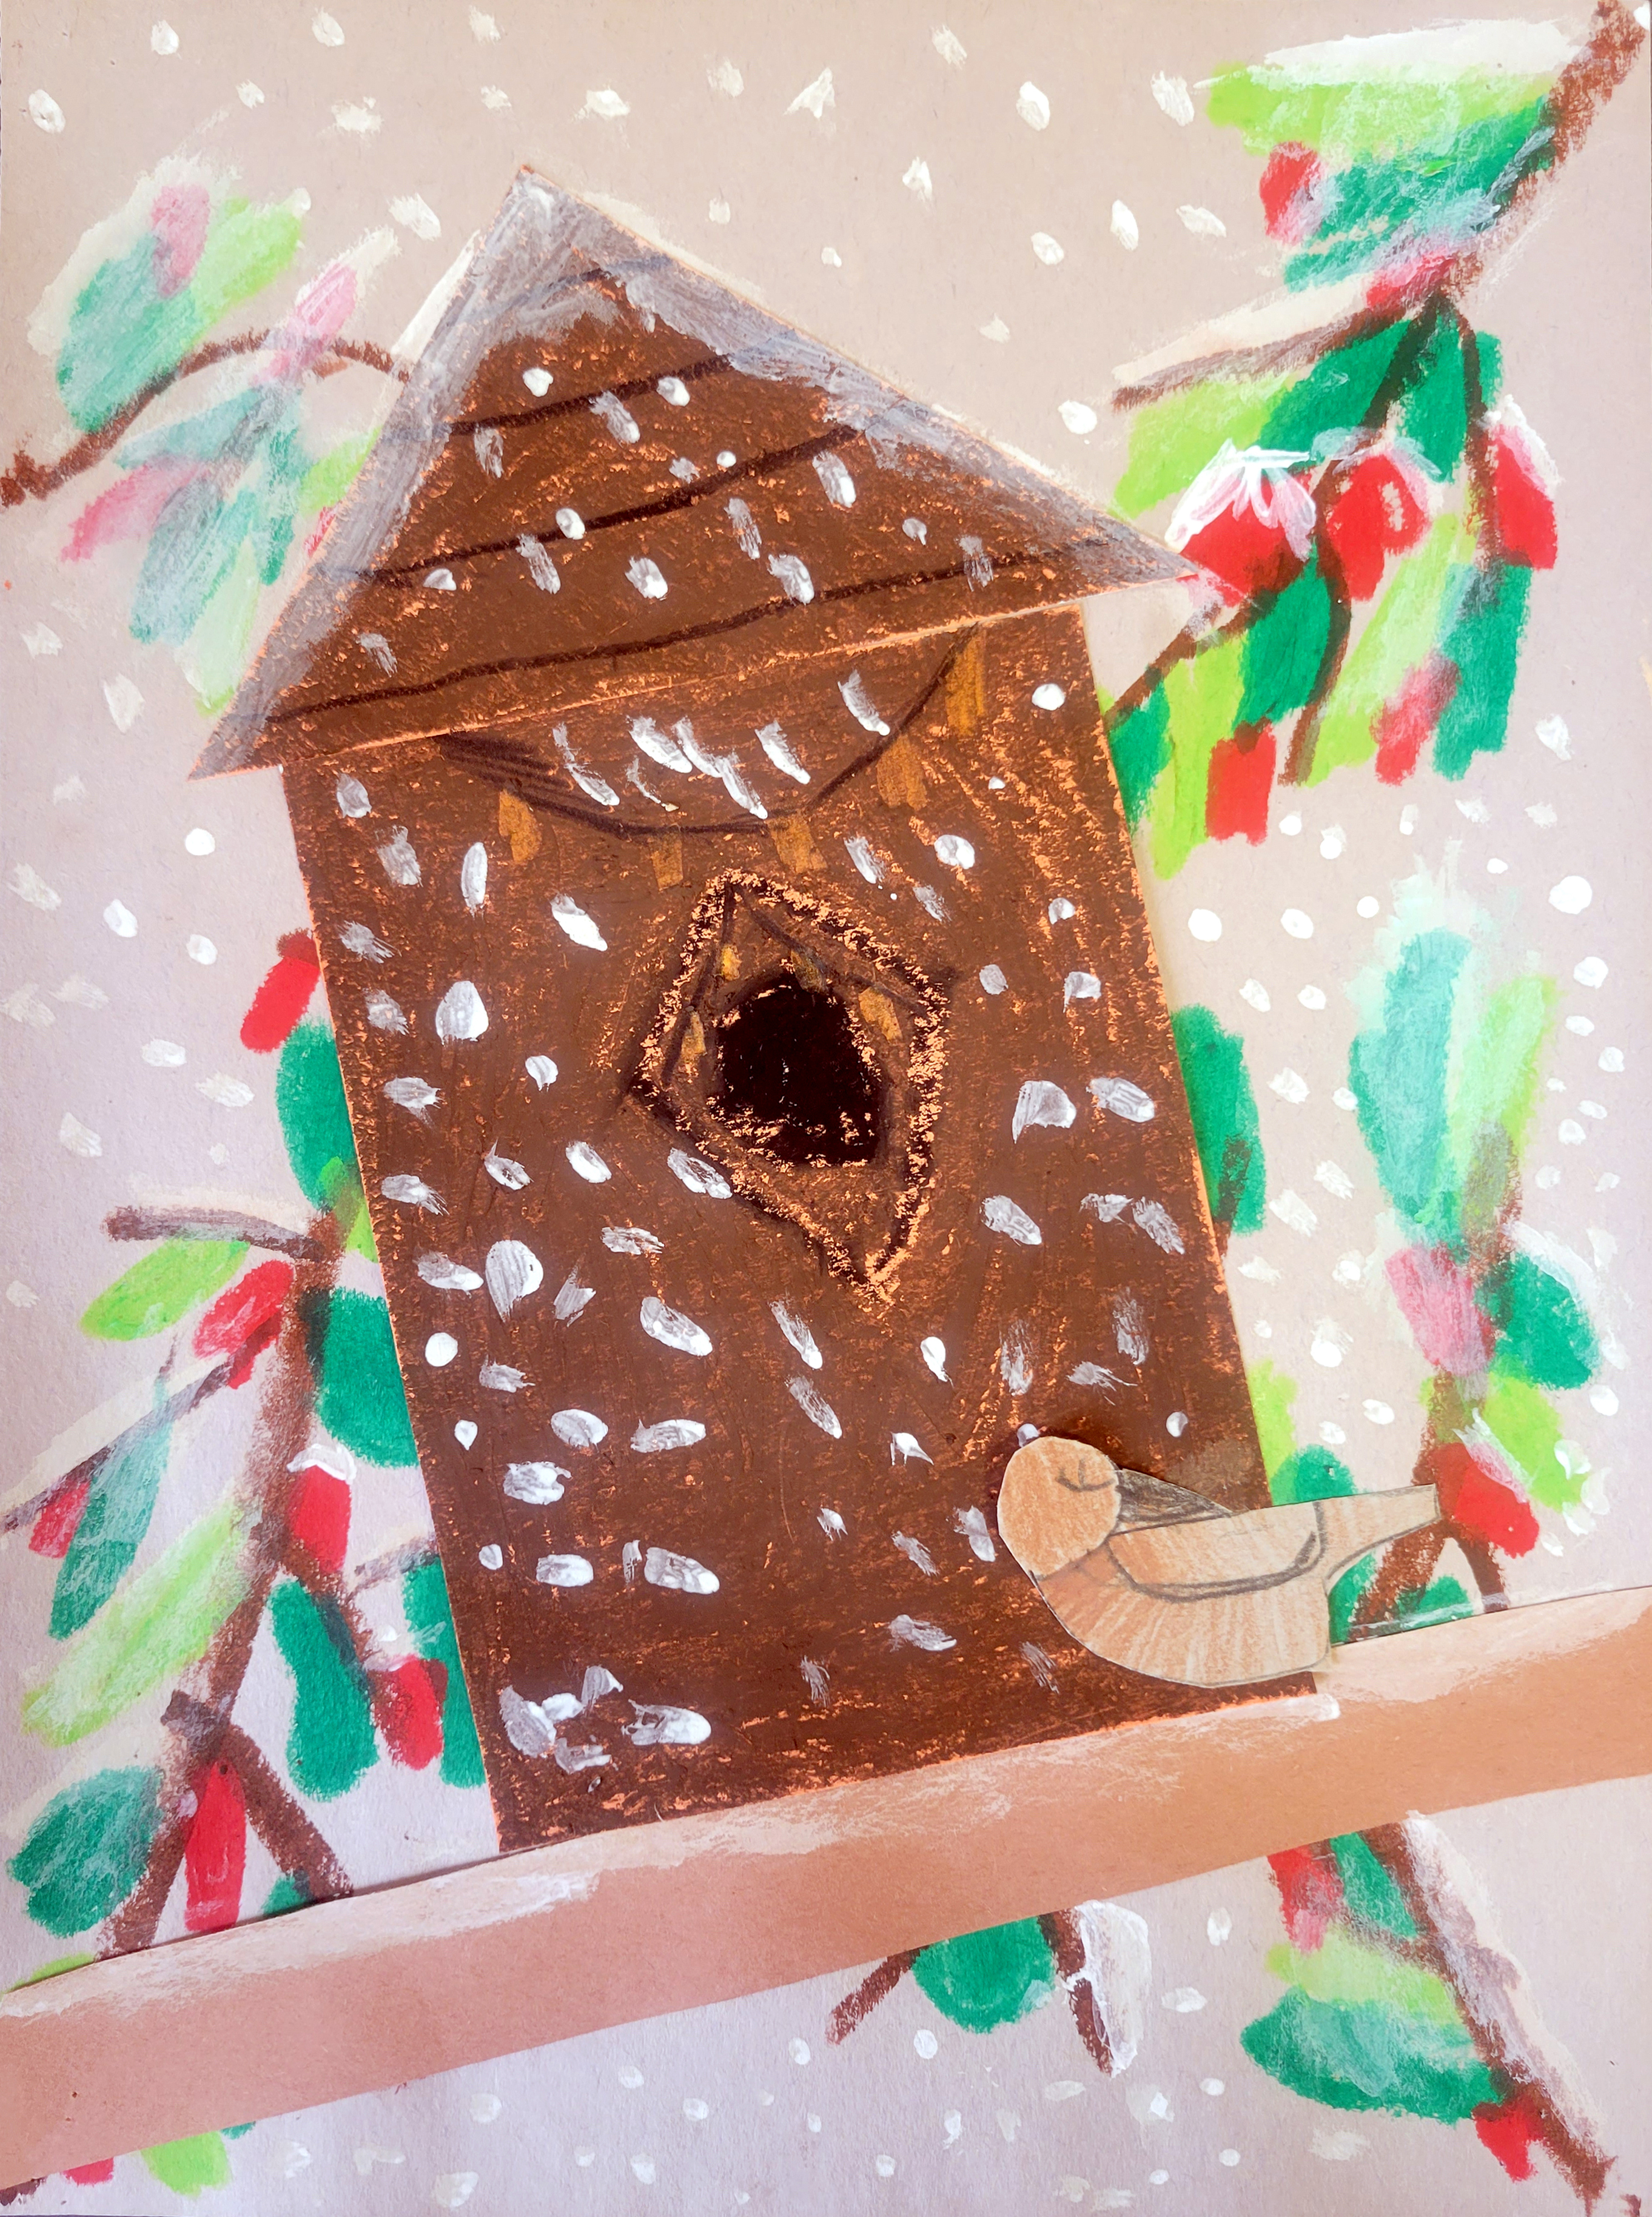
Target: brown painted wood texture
{"points": [[1116, 1201], [368, 1991], [663, 663]]}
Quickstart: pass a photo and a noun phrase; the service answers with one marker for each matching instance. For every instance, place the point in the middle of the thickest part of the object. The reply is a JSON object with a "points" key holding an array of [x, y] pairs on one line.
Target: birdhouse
{"points": [[758, 1067]]}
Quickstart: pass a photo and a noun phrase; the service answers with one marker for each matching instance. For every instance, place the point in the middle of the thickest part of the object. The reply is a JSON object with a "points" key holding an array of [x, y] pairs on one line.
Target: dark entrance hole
{"points": [[790, 1078]]}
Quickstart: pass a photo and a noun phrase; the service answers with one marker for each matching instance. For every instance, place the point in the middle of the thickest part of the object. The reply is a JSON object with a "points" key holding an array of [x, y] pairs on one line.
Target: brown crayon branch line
{"points": [[27, 480], [879, 1983], [201, 1713], [1445, 1930]]}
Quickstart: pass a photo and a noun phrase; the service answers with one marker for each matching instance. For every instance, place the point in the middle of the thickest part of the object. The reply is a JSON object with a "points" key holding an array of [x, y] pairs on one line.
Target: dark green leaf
{"points": [[314, 1119], [1225, 1125], [87, 1849], [119, 1506], [332, 1742], [430, 1622], [359, 1395]]}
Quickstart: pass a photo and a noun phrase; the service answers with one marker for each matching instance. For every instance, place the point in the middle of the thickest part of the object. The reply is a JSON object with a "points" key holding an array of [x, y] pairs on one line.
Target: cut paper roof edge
{"points": [[526, 280]]}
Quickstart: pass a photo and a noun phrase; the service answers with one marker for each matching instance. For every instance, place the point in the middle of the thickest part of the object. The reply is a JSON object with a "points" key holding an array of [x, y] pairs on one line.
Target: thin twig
{"points": [[875, 1986], [215, 1682], [27, 480]]}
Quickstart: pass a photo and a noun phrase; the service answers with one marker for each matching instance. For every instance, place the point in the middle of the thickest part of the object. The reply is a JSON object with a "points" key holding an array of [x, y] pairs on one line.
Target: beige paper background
{"points": [[914, 284]]}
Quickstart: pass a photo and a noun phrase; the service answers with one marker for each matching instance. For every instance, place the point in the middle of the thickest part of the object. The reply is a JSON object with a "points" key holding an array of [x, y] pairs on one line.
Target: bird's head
{"points": [[1058, 1502]]}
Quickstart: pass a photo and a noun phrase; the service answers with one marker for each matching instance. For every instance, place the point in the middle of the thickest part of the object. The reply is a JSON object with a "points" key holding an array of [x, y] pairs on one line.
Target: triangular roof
{"points": [[612, 483]]}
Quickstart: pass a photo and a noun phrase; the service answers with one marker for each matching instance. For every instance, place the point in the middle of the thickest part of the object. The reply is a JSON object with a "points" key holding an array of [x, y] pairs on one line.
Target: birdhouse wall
{"points": [[865, 1146]]}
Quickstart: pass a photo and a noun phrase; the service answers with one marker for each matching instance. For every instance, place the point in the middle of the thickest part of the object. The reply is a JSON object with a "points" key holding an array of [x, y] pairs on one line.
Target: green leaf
{"points": [[153, 1294], [163, 1623], [1401, 632], [1336, 394], [246, 249], [1484, 643], [1433, 412], [1140, 746], [1172, 439], [989, 1978], [1271, 1394], [1370, 1889], [290, 1891], [330, 1744], [1345, 1597], [430, 1622], [314, 1118], [327, 481], [1369, 2056], [1437, 1603], [188, 2166], [359, 1395], [1368, 115], [121, 337], [1374, 211], [120, 1503], [1202, 697], [87, 1849], [1540, 1323], [192, 552], [1226, 1129], [1311, 1474], [1397, 1075], [1525, 1425], [1495, 1073], [1284, 650], [215, 655]]}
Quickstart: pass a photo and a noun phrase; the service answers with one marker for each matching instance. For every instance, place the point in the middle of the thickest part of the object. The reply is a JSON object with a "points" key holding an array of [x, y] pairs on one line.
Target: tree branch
{"points": [[27, 480], [1457, 1943], [210, 1689], [878, 1984], [211, 1224]]}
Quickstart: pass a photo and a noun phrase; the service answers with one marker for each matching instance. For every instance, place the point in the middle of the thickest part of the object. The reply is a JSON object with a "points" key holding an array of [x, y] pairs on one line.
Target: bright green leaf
{"points": [[325, 482], [163, 1623], [1201, 696], [1271, 1395], [246, 249], [1403, 630], [188, 2166], [1524, 1424], [171, 1280], [1172, 439], [1338, 392]]}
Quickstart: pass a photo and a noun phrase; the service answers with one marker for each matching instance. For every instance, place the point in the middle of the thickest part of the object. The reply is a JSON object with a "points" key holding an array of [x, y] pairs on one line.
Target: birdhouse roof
{"points": [[620, 518]]}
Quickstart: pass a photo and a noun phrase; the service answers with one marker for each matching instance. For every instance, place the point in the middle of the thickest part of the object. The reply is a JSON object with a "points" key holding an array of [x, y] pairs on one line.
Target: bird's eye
{"points": [[802, 1056]]}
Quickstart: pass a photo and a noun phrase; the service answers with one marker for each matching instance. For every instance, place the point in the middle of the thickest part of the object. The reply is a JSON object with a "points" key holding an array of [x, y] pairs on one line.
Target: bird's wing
{"points": [[1213, 1555], [1144, 1501]]}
